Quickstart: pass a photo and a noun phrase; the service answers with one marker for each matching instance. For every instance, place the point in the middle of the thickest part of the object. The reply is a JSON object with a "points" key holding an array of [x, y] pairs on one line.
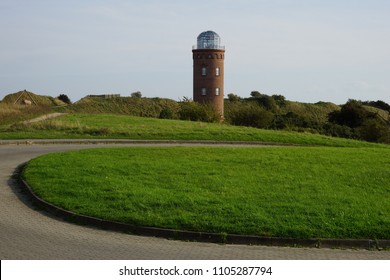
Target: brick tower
{"points": [[208, 56]]}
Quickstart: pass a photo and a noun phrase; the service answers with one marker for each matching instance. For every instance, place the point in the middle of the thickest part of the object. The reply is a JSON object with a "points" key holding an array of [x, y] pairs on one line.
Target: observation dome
{"points": [[209, 40]]}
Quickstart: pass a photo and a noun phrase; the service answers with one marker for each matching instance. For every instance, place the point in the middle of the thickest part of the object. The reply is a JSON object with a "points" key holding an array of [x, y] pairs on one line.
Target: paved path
{"points": [[26, 233], [45, 117]]}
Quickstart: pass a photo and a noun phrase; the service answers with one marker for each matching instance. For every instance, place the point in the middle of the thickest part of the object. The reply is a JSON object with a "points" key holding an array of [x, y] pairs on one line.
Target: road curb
{"points": [[368, 244], [135, 142]]}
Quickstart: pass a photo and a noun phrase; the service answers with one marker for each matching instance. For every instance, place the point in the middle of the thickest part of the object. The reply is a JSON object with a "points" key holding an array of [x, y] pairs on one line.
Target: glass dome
{"points": [[209, 40]]}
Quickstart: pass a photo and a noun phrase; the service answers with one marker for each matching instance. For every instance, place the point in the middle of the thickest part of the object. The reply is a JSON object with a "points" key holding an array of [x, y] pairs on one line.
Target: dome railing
{"points": [[195, 47]]}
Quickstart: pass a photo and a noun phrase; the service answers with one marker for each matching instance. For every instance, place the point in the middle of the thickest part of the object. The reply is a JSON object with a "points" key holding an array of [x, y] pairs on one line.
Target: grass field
{"points": [[303, 192], [128, 127]]}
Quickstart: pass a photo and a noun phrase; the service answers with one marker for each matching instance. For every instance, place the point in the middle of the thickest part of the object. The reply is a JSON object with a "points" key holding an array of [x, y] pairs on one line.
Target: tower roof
{"points": [[209, 40]]}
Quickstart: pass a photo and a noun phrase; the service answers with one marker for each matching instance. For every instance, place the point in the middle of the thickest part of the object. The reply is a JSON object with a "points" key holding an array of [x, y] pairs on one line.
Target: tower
{"points": [[208, 56]]}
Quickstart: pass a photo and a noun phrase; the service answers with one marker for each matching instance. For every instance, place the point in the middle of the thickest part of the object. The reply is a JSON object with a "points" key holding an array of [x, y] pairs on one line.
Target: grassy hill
{"points": [[264, 111], [13, 109], [143, 107], [317, 112], [103, 126], [37, 100], [385, 115]]}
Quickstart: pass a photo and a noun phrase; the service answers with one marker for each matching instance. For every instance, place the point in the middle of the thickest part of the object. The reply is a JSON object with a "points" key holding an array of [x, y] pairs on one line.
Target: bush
{"points": [[193, 111], [64, 98], [270, 103], [166, 113], [378, 104], [289, 120], [336, 130], [136, 94], [365, 125], [248, 114], [374, 130], [233, 97], [352, 114]]}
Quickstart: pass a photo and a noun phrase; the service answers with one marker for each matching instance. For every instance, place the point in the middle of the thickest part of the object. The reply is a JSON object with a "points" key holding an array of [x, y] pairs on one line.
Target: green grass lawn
{"points": [[302, 192], [128, 127]]}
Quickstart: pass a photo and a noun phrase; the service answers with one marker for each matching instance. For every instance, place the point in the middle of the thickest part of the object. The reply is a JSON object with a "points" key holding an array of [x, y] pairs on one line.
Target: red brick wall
{"points": [[210, 59]]}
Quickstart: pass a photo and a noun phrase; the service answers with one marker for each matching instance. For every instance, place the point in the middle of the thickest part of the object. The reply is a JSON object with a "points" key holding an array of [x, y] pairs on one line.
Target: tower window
{"points": [[217, 91], [204, 91], [217, 71], [204, 71]]}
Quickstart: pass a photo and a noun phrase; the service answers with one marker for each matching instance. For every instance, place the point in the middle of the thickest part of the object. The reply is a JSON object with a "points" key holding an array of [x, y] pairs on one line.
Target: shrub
{"points": [[64, 98], [193, 111], [233, 97], [248, 114], [374, 130], [336, 130], [352, 114], [166, 113], [136, 94]]}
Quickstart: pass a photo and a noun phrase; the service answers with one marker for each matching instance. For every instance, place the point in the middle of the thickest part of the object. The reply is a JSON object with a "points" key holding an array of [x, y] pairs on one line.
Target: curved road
{"points": [[26, 233]]}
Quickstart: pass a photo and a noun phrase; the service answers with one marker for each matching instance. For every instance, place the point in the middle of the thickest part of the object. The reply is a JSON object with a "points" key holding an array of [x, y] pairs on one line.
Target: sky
{"points": [[308, 51]]}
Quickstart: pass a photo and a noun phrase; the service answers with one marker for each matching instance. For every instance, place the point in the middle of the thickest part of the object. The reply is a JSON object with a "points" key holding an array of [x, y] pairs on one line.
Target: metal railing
{"points": [[195, 47]]}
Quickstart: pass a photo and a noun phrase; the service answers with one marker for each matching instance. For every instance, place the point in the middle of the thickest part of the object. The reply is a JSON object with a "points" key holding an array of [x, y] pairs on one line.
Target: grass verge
{"points": [[76, 126], [299, 192]]}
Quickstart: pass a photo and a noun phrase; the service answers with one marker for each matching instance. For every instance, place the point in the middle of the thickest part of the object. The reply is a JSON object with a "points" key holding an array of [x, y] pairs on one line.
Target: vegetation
{"points": [[297, 192], [303, 192], [121, 126], [368, 120], [64, 98], [37, 100], [136, 94], [133, 106], [10, 113], [358, 122], [192, 111], [355, 119]]}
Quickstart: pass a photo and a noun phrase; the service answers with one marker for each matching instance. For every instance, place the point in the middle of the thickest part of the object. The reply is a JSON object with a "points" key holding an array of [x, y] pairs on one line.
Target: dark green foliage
{"points": [[355, 121], [280, 100], [192, 111], [337, 130], [248, 114], [375, 130], [352, 114], [166, 113], [64, 98], [233, 97], [136, 94], [255, 94], [266, 101], [378, 104], [279, 113], [289, 120]]}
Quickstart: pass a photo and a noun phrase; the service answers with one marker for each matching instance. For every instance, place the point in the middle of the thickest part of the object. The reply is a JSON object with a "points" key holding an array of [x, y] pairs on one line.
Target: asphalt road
{"points": [[27, 233]]}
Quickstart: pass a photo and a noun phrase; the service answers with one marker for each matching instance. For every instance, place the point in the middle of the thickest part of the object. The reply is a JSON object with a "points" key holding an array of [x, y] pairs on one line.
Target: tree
{"points": [[378, 104], [352, 114], [136, 94], [375, 130], [264, 100], [233, 97], [64, 98], [279, 99], [255, 93]]}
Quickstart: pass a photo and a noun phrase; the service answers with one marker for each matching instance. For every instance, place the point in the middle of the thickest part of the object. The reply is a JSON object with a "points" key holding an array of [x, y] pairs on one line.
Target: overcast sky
{"points": [[306, 50]]}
